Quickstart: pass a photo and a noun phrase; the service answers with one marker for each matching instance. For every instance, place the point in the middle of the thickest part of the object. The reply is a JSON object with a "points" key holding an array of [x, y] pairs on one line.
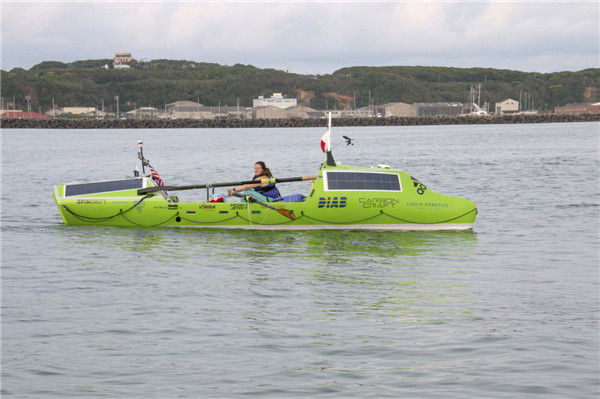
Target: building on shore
{"points": [[276, 100], [122, 58], [197, 110], [399, 109], [578, 109], [363, 112], [182, 110], [272, 112], [507, 107], [439, 109], [95, 114], [53, 113], [18, 114], [142, 113], [85, 112], [78, 110], [192, 110]]}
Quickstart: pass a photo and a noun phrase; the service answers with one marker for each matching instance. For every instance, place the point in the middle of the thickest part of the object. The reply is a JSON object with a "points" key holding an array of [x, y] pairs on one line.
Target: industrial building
{"points": [[18, 114], [439, 109], [276, 100], [578, 109]]}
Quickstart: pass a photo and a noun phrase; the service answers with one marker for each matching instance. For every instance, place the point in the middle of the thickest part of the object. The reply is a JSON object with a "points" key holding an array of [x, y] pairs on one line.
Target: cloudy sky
{"points": [[308, 37]]}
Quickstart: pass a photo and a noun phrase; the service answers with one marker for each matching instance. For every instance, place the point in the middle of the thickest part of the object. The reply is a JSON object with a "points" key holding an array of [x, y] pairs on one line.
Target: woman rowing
{"points": [[261, 172]]}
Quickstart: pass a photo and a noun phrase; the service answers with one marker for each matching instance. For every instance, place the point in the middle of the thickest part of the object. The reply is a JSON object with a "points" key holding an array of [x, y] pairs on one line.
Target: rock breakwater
{"points": [[281, 123]]}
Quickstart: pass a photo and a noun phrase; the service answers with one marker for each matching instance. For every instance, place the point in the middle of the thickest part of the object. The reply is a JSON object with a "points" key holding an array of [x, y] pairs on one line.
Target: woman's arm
{"points": [[248, 186]]}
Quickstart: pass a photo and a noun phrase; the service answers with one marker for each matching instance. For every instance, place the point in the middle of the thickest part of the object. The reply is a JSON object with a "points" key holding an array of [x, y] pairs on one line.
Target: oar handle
{"points": [[147, 190], [290, 179]]}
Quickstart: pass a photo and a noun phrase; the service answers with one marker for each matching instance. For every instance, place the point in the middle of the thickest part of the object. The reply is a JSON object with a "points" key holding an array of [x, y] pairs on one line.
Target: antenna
{"points": [[141, 156]]}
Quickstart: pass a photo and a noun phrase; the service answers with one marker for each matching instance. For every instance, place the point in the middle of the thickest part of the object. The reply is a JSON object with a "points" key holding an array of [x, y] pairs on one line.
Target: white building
{"points": [[276, 100], [508, 106], [78, 110]]}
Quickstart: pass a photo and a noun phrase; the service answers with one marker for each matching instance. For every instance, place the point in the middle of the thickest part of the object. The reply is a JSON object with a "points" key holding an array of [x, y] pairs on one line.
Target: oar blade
{"points": [[287, 213]]}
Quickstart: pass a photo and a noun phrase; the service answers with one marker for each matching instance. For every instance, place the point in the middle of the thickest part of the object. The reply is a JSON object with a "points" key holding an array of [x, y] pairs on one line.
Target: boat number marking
{"points": [[378, 202], [332, 202], [237, 207]]}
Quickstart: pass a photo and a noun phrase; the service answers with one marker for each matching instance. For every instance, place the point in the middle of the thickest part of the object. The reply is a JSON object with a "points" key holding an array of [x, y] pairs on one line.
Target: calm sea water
{"points": [[508, 310]]}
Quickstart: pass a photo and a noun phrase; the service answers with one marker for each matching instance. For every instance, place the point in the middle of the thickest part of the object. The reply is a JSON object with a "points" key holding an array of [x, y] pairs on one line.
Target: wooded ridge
{"points": [[158, 82]]}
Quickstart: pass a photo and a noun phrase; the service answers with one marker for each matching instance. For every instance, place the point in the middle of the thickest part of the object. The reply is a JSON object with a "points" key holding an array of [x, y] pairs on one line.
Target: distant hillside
{"points": [[159, 82]]}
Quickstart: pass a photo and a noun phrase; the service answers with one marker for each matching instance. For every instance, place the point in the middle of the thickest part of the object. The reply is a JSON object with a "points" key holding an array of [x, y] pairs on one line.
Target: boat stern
{"points": [[101, 202]]}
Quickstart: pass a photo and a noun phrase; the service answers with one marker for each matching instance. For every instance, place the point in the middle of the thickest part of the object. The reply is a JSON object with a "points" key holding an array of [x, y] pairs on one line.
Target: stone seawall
{"points": [[274, 123]]}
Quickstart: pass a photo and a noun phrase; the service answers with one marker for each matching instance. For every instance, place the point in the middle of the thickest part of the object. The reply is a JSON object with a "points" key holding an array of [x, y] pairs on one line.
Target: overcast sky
{"points": [[308, 37]]}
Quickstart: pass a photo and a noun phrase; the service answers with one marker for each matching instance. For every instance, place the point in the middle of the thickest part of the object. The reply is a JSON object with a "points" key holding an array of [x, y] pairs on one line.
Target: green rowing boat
{"points": [[340, 197]]}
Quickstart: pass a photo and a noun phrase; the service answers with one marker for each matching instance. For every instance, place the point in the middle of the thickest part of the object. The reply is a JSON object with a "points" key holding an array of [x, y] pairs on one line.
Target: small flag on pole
{"points": [[326, 139], [156, 177]]}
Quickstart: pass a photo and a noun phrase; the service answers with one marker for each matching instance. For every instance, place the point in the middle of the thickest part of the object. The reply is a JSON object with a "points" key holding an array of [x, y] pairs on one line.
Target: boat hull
{"points": [[413, 207]]}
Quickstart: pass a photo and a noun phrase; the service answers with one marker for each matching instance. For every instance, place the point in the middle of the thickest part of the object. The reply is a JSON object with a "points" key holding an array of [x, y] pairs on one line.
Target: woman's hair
{"points": [[266, 170]]}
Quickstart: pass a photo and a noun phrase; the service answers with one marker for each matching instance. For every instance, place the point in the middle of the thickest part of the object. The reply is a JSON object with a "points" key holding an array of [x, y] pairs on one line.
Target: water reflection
{"points": [[407, 277], [327, 244], [317, 248]]}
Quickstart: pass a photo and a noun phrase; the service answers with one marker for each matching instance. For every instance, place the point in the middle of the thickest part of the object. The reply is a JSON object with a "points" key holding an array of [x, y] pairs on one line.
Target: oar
{"points": [[147, 190], [287, 213]]}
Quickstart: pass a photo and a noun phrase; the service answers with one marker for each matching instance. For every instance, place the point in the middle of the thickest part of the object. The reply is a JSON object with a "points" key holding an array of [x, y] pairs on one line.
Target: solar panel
{"points": [[102, 187], [367, 181]]}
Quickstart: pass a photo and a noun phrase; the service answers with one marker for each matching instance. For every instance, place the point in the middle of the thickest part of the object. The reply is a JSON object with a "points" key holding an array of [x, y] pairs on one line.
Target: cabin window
{"points": [[363, 181], [102, 187]]}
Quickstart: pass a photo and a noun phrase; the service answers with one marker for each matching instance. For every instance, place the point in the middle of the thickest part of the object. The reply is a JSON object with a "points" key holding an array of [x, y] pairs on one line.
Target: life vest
{"points": [[269, 190]]}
